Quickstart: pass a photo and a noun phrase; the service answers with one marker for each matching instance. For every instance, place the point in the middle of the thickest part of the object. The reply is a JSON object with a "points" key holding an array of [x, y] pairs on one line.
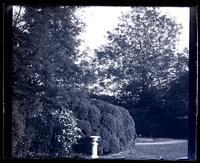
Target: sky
{"points": [[101, 19]]}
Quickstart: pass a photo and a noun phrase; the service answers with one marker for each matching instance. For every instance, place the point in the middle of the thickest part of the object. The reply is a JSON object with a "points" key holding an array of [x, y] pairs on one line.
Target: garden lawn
{"points": [[145, 152]]}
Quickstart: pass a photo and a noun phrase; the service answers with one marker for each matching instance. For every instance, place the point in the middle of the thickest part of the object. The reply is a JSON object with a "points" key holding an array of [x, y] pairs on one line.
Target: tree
{"points": [[176, 99], [140, 58], [44, 71], [141, 49], [49, 50]]}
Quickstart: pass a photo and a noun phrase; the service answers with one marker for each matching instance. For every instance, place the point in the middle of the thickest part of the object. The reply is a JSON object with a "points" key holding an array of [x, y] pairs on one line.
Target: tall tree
{"points": [[139, 61], [44, 70], [140, 52], [50, 47]]}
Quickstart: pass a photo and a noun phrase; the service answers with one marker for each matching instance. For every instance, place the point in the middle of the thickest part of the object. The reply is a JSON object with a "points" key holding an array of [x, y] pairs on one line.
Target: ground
{"points": [[159, 148]]}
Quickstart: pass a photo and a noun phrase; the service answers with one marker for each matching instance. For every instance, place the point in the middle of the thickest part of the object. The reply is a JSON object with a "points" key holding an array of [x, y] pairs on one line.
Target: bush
{"points": [[46, 129], [49, 126], [20, 144], [82, 112], [85, 127], [113, 123]]}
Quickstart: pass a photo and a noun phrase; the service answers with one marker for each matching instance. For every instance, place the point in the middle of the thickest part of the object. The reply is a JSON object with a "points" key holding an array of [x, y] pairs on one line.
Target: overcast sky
{"points": [[101, 19]]}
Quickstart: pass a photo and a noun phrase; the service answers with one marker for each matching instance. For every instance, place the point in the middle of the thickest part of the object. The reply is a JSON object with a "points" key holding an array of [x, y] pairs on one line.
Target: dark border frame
{"points": [[7, 61], [192, 146], [180, 3]]}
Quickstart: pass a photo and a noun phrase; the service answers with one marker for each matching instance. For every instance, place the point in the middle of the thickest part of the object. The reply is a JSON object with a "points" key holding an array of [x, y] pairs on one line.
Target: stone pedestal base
{"points": [[94, 146]]}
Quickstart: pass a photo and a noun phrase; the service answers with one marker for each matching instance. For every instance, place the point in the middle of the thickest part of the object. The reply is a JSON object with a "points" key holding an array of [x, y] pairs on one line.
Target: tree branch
{"points": [[16, 20]]}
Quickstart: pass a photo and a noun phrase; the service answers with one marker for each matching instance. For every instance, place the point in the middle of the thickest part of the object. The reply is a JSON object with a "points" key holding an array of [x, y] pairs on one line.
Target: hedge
{"points": [[113, 123]]}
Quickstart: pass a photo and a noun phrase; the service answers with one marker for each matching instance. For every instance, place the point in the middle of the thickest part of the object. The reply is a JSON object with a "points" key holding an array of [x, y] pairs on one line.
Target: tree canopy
{"points": [[44, 71], [140, 62]]}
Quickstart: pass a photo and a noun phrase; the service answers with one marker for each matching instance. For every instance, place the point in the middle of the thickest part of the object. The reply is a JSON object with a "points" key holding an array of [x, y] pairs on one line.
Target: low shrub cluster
{"points": [[42, 127], [60, 126], [113, 123]]}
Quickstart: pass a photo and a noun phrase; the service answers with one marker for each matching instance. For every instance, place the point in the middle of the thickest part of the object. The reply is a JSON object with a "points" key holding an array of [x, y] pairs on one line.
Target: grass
{"points": [[146, 140], [144, 152]]}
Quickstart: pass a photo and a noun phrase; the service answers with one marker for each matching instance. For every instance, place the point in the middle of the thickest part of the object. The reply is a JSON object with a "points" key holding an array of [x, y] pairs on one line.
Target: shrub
{"points": [[114, 144], [20, 144], [85, 127], [82, 112], [49, 126], [47, 129], [113, 123]]}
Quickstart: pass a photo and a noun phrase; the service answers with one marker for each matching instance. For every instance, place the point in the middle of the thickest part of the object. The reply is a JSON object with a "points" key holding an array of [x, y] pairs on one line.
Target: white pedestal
{"points": [[94, 146]]}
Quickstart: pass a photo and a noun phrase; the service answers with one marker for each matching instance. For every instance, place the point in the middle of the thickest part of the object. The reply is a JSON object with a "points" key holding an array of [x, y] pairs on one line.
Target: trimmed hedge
{"points": [[50, 126], [113, 123]]}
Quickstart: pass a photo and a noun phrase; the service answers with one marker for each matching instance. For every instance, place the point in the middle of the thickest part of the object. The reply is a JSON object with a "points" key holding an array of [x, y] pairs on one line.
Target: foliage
{"points": [[44, 72], [114, 124], [48, 130], [46, 49], [176, 106], [139, 64], [20, 144], [140, 53]]}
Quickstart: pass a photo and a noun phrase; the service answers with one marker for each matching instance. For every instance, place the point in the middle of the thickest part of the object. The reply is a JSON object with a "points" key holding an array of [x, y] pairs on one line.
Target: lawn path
{"points": [[167, 150], [162, 143]]}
